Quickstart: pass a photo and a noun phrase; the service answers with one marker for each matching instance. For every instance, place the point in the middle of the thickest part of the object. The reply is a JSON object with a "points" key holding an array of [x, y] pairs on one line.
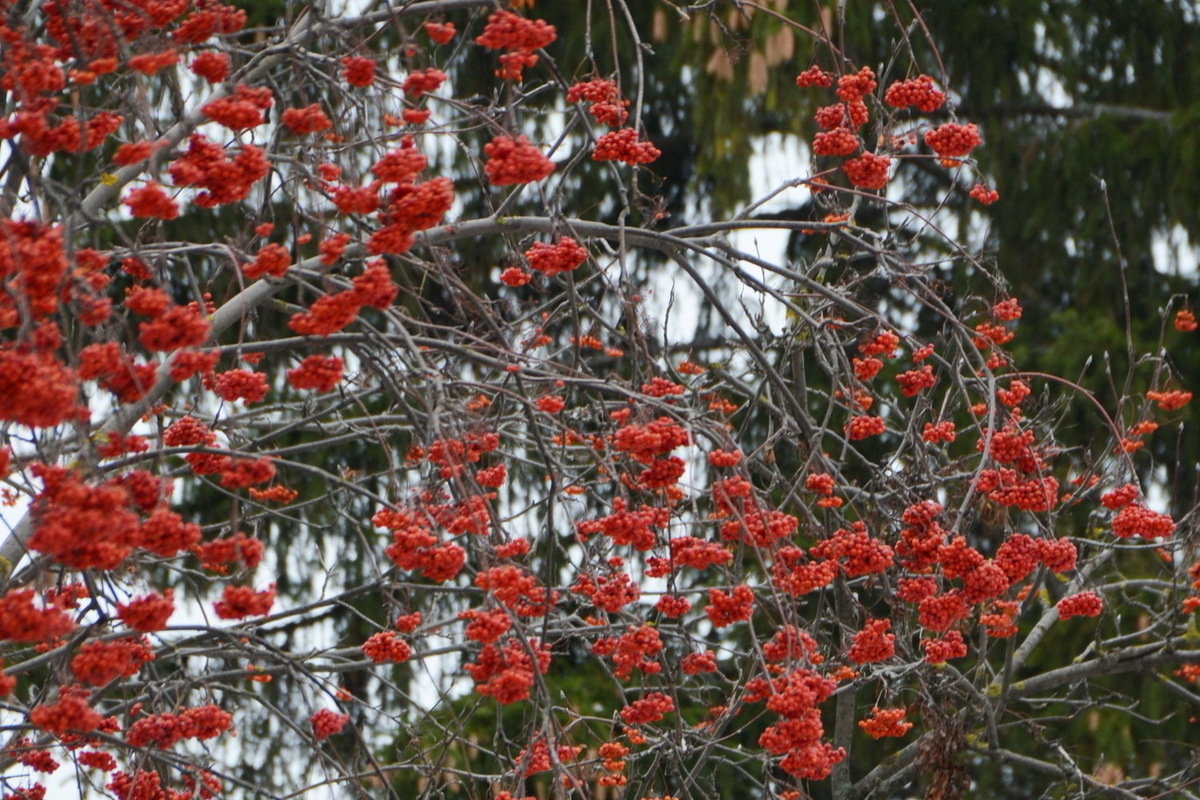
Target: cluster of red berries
{"points": [[420, 81], [939, 612], [565, 255], [1137, 520], [1119, 497], [690, 551], [794, 574], [862, 427], [856, 552], [950, 645], [952, 140], [940, 432], [208, 166], [606, 104], [148, 613], [984, 195], [310, 119], [165, 730], [358, 70], [243, 110], [519, 37], [626, 527], [917, 92], [914, 380], [386, 646], [507, 673], [868, 171], [790, 643], [536, 757], [1083, 604], [885, 722], [239, 602], [623, 145], [651, 708], [512, 161], [725, 458], [326, 723], [837, 142], [318, 372], [1170, 401], [726, 608], [866, 368], [795, 697], [151, 201], [440, 32], [873, 643], [637, 648], [213, 66], [814, 76]]}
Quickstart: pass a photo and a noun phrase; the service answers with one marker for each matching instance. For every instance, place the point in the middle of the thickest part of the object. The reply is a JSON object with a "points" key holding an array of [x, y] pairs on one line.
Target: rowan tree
{"points": [[370, 436]]}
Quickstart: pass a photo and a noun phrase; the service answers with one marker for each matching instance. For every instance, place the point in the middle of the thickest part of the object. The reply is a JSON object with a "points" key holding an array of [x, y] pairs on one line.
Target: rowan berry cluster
{"points": [[420, 81], [918, 91], [318, 372], [726, 608], [949, 645], [70, 713], [151, 201], [148, 613], [513, 161], [238, 550], [358, 70], [1170, 401], [673, 606], [873, 643], [623, 145], [689, 551], [868, 171], [914, 380], [886, 722], [855, 551], [211, 66], [326, 723], [507, 673], [243, 110], [793, 574], [310, 119], [862, 427], [795, 697], [651, 708], [440, 32], [638, 648], [790, 644], [386, 646], [239, 602], [1119, 497], [1185, 321], [939, 612], [1083, 604], [939, 432], [626, 527], [224, 180], [565, 255], [866, 368], [814, 76], [837, 142], [983, 194], [519, 37], [536, 757], [952, 141], [1137, 520]]}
